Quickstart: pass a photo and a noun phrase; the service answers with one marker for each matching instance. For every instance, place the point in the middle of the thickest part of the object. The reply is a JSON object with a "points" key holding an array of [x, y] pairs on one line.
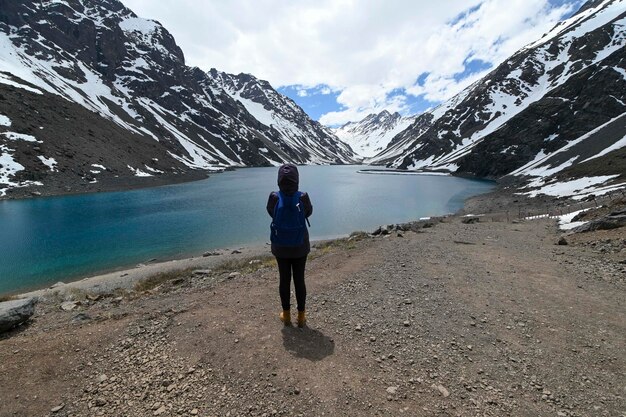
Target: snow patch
{"points": [[565, 221], [257, 111], [138, 172], [4, 121], [20, 136], [6, 80], [577, 189], [136, 24], [153, 170], [8, 168], [49, 162]]}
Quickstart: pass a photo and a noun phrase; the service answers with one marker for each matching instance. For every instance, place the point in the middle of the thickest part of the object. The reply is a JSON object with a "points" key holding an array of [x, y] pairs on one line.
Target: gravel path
{"points": [[485, 319]]}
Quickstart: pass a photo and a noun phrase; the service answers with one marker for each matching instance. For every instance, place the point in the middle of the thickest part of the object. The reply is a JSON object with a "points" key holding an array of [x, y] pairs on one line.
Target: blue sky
{"points": [[343, 59], [321, 99]]}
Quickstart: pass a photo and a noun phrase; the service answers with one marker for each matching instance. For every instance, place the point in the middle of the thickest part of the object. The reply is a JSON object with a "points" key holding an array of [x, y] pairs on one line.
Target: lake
{"points": [[46, 240]]}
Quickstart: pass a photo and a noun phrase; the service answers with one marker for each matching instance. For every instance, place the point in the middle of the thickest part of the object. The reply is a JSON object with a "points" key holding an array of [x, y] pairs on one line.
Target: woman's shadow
{"points": [[307, 343]]}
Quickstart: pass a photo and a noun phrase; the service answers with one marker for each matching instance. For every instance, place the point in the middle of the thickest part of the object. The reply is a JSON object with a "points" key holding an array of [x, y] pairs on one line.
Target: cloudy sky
{"points": [[343, 59]]}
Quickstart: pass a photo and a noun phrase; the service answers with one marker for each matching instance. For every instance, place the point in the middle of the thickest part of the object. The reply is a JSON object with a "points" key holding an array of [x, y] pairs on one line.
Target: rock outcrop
{"points": [[15, 312]]}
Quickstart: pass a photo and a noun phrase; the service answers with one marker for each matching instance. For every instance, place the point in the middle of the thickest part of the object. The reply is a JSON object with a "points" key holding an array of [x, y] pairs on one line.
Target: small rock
{"points": [[58, 408], [562, 241], [194, 412], [160, 411], [235, 252], [254, 261], [102, 378], [80, 318], [392, 390], [443, 391], [201, 272], [100, 402], [406, 323], [68, 305], [358, 328], [213, 253], [233, 275]]}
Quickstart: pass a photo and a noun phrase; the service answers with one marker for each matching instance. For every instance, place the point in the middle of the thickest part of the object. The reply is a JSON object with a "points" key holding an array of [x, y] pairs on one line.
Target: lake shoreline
{"points": [[129, 183], [112, 232], [126, 278], [107, 185]]}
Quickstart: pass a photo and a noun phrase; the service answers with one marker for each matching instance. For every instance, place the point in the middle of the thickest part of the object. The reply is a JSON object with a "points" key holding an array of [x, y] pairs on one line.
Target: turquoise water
{"points": [[54, 239]]}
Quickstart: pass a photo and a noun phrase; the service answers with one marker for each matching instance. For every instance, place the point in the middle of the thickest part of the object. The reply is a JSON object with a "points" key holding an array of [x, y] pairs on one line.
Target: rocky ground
{"points": [[456, 319]]}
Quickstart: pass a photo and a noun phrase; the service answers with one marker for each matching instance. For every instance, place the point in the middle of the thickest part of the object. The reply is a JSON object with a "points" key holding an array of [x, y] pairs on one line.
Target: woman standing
{"points": [[290, 209]]}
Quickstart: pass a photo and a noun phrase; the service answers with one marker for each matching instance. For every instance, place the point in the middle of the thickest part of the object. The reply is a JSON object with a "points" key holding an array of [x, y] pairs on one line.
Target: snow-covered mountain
{"points": [[557, 106], [293, 125], [129, 104], [371, 135]]}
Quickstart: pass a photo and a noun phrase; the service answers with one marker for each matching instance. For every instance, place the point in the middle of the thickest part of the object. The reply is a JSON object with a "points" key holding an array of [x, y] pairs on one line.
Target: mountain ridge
{"points": [[373, 133], [130, 71], [531, 107]]}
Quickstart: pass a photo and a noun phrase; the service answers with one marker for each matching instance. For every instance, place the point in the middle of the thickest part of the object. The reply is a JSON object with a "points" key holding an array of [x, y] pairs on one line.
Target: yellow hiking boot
{"points": [[285, 317], [301, 318]]}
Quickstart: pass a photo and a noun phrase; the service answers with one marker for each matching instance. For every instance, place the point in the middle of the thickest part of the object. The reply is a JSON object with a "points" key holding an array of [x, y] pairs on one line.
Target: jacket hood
{"points": [[288, 178]]}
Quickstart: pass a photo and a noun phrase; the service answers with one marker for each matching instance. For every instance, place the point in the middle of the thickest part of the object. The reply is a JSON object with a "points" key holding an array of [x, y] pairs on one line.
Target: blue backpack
{"points": [[289, 221]]}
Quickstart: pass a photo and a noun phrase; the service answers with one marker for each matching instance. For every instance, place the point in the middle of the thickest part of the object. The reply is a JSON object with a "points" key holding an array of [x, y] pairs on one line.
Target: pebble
{"points": [[392, 390], [58, 408], [443, 391], [68, 305]]}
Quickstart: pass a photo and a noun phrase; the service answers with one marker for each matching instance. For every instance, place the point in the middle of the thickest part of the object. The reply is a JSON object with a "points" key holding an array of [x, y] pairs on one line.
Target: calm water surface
{"points": [[62, 238]]}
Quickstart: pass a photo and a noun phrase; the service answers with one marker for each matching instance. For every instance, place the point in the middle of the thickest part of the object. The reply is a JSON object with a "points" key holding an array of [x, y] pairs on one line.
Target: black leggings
{"points": [[285, 268]]}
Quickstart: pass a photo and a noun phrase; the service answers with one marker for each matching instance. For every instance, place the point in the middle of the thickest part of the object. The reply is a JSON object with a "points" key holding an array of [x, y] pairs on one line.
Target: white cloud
{"points": [[366, 49]]}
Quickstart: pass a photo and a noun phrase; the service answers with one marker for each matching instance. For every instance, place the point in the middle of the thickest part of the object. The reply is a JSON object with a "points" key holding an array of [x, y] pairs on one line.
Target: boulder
{"points": [[15, 312], [612, 221], [470, 220]]}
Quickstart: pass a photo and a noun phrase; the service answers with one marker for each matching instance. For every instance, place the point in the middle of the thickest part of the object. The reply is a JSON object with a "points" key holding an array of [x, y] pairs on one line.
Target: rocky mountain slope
{"points": [[130, 107], [372, 135], [556, 106]]}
